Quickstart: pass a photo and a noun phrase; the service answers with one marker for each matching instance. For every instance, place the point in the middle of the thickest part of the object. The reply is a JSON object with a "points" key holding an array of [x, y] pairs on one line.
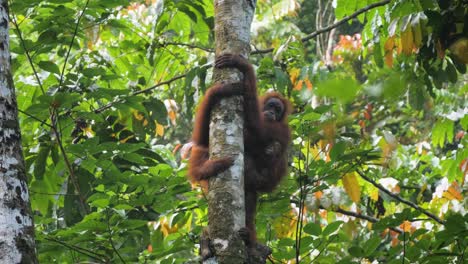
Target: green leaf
{"points": [[356, 251], [313, 229], [132, 224], [157, 110], [451, 72], [371, 245], [394, 87], [47, 37], [443, 130], [344, 90], [378, 56], [132, 157], [41, 161], [457, 224], [332, 227], [100, 203], [345, 7], [464, 122], [337, 150], [417, 95], [49, 67], [311, 116]]}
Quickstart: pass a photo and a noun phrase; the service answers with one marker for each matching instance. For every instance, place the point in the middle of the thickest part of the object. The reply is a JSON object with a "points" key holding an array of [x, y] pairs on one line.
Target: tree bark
{"points": [[17, 243], [226, 209]]}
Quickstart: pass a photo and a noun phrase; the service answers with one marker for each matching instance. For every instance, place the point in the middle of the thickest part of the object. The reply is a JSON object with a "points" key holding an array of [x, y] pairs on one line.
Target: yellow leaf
{"points": [[124, 140], [159, 129], [453, 192], [389, 44], [417, 33], [388, 48], [293, 74], [89, 132], [298, 85], [329, 130], [351, 186], [285, 226], [374, 194], [138, 116], [172, 115], [406, 226], [407, 41], [166, 226], [308, 84]]}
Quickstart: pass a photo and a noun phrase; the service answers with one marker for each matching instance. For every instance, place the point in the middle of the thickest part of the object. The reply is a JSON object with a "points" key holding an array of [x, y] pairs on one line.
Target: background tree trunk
{"points": [[226, 192], [16, 222]]}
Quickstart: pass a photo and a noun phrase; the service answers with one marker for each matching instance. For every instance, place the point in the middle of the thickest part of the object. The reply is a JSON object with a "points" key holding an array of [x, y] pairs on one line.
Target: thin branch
{"points": [[364, 217], [71, 43], [84, 251], [54, 194], [164, 44], [111, 241], [398, 198], [23, 44], [43, 122], [302, 197], [332, 26], [318, 25], [109, 105], [52, 112], [73, 178], [160, 84]]}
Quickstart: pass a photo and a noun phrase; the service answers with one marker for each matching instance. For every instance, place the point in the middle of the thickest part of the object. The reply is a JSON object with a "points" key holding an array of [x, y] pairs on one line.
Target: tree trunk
{"points": [[16, 222], [226, 209]]}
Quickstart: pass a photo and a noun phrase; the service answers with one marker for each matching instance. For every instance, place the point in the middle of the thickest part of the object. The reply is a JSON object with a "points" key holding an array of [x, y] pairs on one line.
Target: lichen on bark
{"points": [[17, 243], [226, 213]]}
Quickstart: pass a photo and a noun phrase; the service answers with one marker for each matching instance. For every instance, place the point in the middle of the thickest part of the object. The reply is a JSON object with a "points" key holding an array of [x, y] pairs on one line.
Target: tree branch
{"points": [[398, 198], [109, 105], [26, 51], [52, 111], [43, 122], [71, 43], [84, 251], [191, 46], [111, 241], [364, 217], [332, 26]]}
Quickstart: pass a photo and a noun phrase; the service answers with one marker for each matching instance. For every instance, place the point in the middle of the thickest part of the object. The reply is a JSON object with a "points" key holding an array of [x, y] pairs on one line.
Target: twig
{"points": [[332, 26], [364, 217], [43, 122], [52, 112], [71, 43], [109, 105], [110, 237], [164, 44], [23, 43], [398, 198], [73, 178], [54, 194], [302, 197], [84, 251]]}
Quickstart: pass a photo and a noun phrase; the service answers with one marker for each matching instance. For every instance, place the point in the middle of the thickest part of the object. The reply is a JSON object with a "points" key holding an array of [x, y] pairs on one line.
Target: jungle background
{"points": [[107, 92]]}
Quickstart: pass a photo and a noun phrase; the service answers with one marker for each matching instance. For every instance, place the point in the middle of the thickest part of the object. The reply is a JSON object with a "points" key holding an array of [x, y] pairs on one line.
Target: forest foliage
{"points": [[378, 169]]}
